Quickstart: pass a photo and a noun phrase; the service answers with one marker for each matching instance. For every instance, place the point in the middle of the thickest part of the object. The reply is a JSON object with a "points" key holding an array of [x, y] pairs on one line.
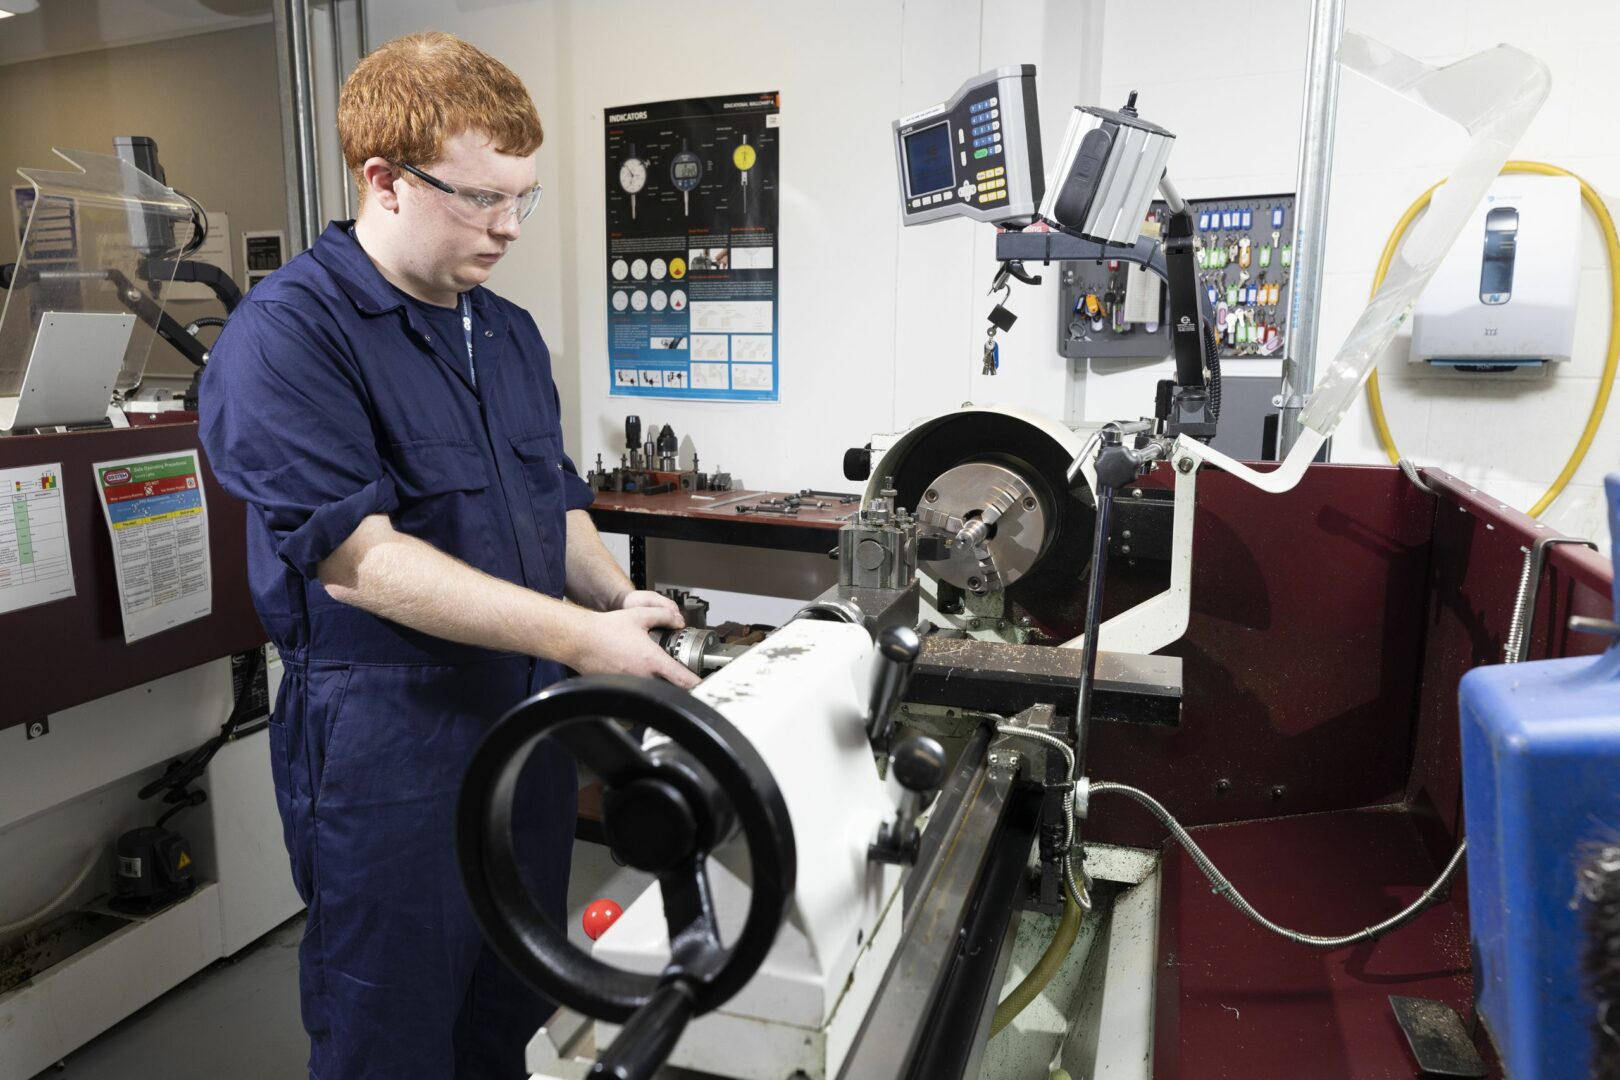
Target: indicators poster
{"points": [[158, 520], [35, 565], [692, 212]]}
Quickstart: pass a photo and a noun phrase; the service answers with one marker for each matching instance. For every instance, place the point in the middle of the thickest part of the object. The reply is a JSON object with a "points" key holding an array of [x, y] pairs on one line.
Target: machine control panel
{"points": [[977, 155]]}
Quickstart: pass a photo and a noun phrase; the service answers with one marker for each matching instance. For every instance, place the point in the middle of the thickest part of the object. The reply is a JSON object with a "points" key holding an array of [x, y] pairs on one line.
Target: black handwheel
{"points": [[664, 810]]}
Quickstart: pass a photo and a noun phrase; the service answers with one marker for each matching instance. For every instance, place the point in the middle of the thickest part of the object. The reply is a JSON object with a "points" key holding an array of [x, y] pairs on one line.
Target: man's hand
{"points": [[645, 598], [616, 643]]}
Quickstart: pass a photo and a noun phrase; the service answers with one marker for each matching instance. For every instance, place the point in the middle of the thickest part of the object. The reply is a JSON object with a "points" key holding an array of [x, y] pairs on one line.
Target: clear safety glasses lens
{"points": [[490, 209]]}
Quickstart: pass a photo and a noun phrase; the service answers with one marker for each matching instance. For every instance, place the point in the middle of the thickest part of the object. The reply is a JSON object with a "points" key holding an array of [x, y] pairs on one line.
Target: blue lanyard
{"points": [[466, 329]]}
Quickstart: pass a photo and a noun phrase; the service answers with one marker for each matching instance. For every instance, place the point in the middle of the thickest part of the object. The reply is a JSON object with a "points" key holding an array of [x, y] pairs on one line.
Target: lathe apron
{"points": [[330, 396]]}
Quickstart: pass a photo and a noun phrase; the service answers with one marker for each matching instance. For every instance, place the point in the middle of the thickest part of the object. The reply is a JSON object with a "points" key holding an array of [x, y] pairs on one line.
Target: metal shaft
{"points": [[335, 21], [304, 217], [1094, 595], [1310, 214]]}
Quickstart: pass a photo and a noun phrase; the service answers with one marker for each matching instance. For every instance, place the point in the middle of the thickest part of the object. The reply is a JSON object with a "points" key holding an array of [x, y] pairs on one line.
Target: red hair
{"points": [[404, 99]]}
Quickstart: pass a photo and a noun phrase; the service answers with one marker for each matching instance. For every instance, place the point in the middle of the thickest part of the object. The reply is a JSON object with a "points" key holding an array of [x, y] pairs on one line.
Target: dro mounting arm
{"points": [[1191, 406]]}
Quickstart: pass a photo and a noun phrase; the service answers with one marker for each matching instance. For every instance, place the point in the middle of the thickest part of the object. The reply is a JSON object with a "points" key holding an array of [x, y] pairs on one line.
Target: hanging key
{"points": [[1000, 319]]}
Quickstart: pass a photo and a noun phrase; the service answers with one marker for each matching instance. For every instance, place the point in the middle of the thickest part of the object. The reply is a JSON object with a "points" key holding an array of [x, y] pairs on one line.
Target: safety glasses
{"points": [[478, 206]]}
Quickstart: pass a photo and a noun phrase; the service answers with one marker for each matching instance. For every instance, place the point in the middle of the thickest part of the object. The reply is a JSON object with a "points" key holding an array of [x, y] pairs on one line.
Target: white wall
{"points": [[882, 324]]}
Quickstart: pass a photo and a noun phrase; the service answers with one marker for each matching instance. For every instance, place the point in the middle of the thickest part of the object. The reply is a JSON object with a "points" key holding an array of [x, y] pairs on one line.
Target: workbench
{"points": [[712, 517]]}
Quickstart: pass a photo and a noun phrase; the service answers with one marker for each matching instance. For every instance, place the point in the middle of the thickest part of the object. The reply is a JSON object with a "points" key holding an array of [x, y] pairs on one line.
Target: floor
{"points": [[239, 1017]]}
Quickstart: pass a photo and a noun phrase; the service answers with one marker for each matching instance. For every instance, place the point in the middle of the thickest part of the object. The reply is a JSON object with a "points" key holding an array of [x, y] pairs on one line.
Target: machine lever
{"points": [[649, 1035], [918, 764], [897, 652]]}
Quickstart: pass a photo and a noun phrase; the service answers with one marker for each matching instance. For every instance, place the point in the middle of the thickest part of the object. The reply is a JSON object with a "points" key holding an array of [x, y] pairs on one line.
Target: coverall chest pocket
{"points": [[443, 494], [428, 467], [541, 458]]}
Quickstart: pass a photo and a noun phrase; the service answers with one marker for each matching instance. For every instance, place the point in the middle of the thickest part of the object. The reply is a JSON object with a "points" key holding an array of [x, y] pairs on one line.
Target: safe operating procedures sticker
{"points": [[157, 518], [691, 248]]}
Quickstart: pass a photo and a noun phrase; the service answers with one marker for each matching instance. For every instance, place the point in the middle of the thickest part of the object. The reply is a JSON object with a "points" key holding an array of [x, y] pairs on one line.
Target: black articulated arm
{"points": [[222, 284], [1194, 403], [1182, 273]]}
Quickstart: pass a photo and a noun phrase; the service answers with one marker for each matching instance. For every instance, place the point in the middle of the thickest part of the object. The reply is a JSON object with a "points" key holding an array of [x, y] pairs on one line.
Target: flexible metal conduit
{"points": [[1235, 898], [1081, 897]]}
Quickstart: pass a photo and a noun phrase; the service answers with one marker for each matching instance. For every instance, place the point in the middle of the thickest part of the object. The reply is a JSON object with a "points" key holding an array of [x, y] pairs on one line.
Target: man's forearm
{"points": [[410, 582], [595, 578]]}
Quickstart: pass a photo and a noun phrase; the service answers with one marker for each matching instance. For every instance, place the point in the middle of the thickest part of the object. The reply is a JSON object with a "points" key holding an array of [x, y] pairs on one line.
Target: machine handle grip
{"points": [[647, 1038], [898, 648], [858, 463]]}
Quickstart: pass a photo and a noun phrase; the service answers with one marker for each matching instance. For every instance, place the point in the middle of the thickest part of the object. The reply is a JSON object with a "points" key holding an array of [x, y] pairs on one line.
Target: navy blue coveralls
{"points": [[327, 399]]}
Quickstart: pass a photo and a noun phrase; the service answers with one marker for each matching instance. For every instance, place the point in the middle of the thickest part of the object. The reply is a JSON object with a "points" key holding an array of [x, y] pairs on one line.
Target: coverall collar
{"points": [[340, 252]]}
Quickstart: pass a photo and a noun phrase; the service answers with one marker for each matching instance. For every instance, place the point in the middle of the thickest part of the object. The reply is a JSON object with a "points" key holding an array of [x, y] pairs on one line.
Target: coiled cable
{"points": [[1521, 605]]}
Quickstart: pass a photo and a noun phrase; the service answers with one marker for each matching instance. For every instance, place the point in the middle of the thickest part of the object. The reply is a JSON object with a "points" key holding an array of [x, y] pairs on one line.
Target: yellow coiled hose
{"points": [[1600, 405]]}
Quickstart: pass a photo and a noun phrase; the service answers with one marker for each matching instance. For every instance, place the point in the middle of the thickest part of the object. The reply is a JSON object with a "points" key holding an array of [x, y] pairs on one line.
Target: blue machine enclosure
{"points": [[1541, 791]]}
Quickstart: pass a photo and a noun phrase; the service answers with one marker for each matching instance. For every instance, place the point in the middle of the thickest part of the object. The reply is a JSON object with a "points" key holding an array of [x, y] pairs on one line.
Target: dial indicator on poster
{"points": [[690, 270], [633, 177], [744, 157]]}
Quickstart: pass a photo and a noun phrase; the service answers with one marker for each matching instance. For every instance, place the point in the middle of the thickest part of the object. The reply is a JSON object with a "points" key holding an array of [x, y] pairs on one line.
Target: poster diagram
{"points": [[691, 248], [35, 565], [158, 519]]}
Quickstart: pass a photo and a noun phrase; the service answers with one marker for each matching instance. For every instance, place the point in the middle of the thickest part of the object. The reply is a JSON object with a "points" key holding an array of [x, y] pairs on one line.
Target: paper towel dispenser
{"points": [[1505, 296]]}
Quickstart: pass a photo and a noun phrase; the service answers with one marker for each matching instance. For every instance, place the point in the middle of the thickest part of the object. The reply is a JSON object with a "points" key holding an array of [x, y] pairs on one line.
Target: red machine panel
{"points": [[71, 651], [1301, 658]]}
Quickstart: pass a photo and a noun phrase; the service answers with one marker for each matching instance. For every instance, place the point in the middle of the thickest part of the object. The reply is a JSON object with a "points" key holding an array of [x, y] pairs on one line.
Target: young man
{"points": [[413, 527]]}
